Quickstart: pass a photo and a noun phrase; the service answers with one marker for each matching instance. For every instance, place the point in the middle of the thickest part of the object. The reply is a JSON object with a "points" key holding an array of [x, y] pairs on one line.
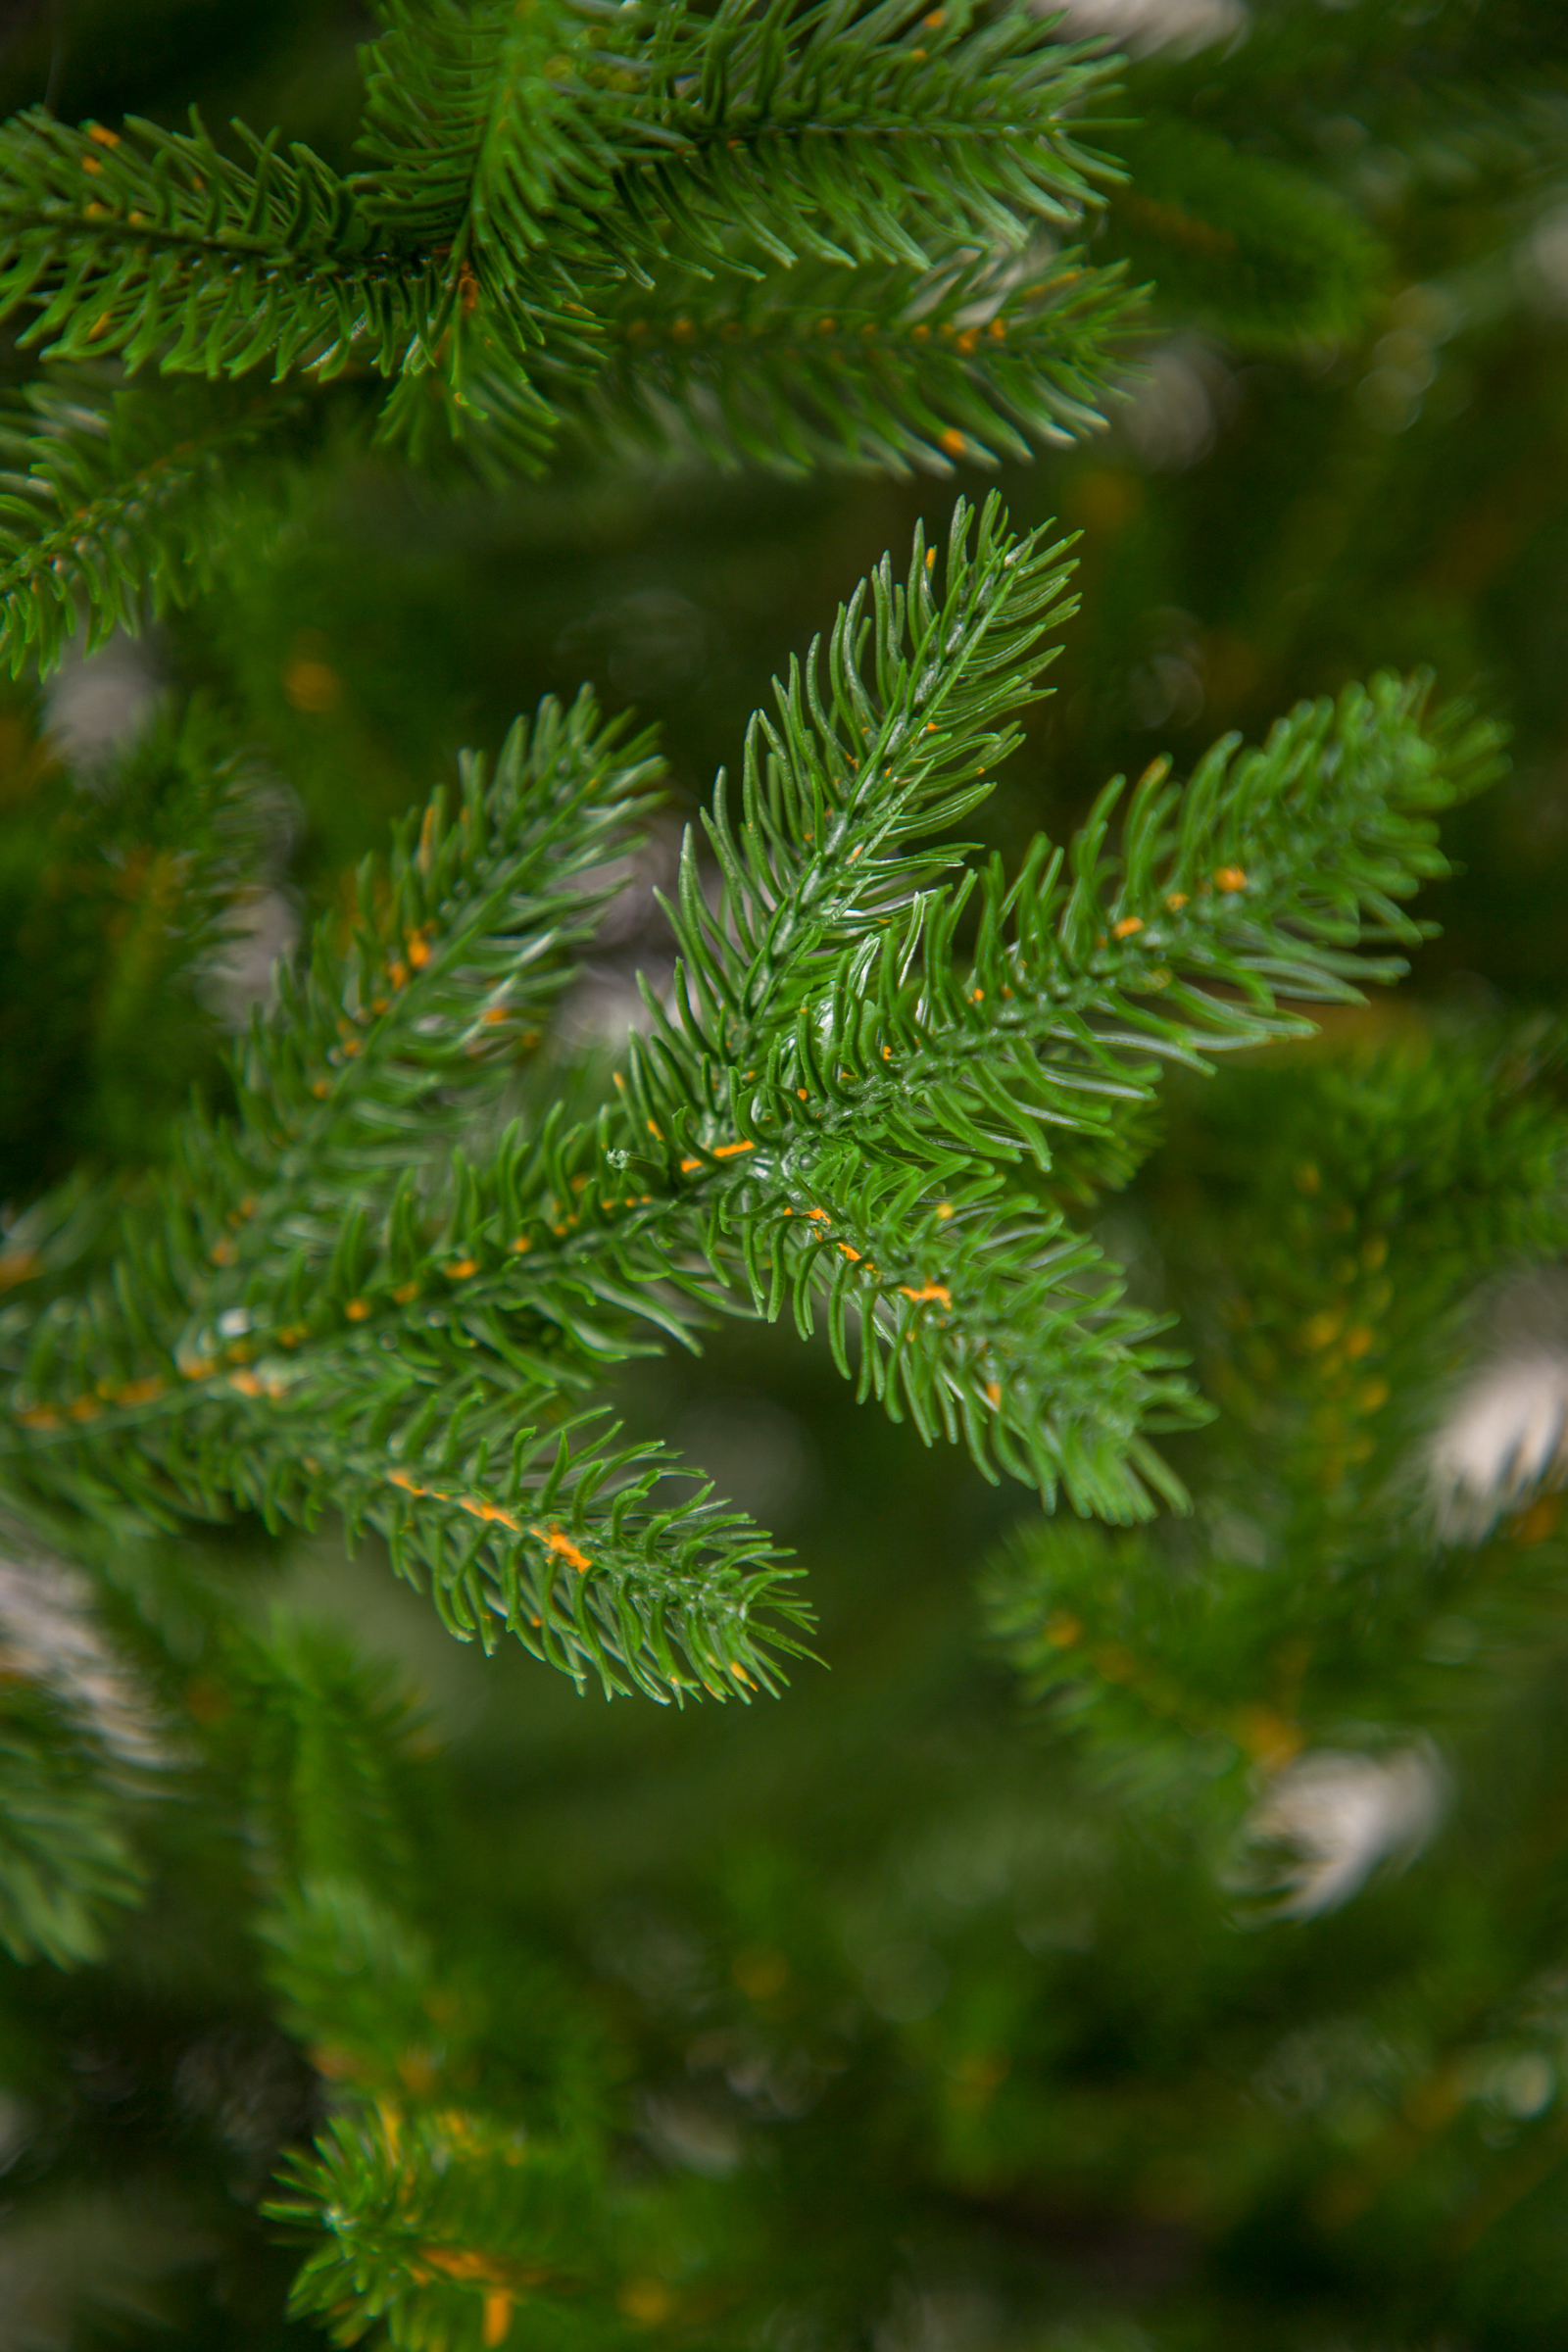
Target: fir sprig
{"points": [[770, 235], [870, 368], [117, 506], [1331, 1602], [833, 1110], [156, 245]]}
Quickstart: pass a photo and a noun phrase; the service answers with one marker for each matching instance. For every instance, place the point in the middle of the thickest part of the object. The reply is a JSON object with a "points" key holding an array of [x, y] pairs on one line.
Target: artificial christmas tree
{"points": [[901, 2012]]}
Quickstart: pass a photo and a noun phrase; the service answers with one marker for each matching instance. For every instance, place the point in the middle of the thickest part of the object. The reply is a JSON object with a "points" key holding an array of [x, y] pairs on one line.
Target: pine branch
{"points": [[842, 133], [78, 1747], [1330, 1602], [458, 950], [243, 1350], [600, 1559], [1241, 243], [111, 498], [122, 888], [860, 1147], [481, 119], [442, 2227], [475, 2056], [827, 1107], [868, 368], [66, 1865], [523, 170], [155, 245], [795, 133], [327, 1751]]}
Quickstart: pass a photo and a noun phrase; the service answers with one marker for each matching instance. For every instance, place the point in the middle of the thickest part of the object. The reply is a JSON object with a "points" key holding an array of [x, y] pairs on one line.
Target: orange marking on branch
{"points": [[1127, 926], [563, 1546], [459, 2262], [461, 1268], [1229, 877], [249, 1384], [937, 1291], [490, 1513], [357, 1311], [139, 1391]]}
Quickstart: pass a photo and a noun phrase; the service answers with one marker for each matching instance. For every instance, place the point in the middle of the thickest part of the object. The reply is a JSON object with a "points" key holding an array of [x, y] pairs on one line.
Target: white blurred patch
{"points": [[945, 2318], [601, 1012], [50, 1635], [1142, 27], [263, 931], [95, 703], [698, 2136], [1174, 410], [1330, 1819], [1505, 1436]]}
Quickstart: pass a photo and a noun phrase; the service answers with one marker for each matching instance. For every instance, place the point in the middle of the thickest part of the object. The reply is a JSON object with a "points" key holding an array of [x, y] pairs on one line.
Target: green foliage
{"points": [[441, 2229], [117, 892], [1329, 1600], [124, 501], [464, 2172], [897, 370], [80, 1755], [585, 2045], [827, 1113], [568, 218], [1241, 244], [67, 1863]]}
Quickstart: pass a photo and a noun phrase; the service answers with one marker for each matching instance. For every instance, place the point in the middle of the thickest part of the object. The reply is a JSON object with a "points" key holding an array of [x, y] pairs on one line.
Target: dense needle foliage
{"points": [[1123, 1911]]}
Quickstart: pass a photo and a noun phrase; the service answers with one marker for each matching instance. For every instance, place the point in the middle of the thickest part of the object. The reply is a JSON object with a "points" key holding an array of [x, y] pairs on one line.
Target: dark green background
{"points": [[1262, 521]]}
